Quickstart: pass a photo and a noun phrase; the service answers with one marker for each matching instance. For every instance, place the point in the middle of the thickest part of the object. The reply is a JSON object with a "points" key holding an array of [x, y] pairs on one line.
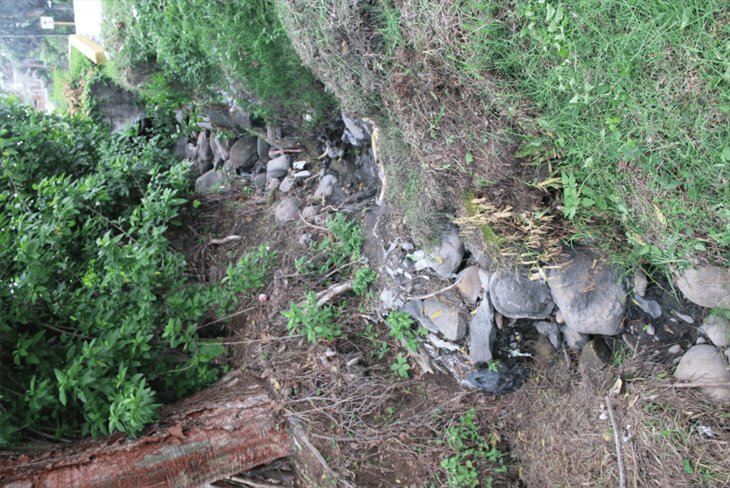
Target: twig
{"points": [[300, 436], [617, 442], [333, 291], [312, 225], [697, 385], [225, 240], [240, 312], [423, 297]]}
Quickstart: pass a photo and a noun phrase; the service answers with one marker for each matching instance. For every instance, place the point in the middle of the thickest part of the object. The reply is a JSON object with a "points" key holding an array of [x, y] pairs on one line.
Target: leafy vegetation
{"points": [[99, 320], [316, 323], [403, 328], [473, 455], [209, 47]]}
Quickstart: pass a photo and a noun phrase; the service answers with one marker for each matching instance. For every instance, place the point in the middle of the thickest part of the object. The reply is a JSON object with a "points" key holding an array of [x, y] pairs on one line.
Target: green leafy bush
{"points": [[98, 319], [473, 455], [316, 323], [401, 327]]}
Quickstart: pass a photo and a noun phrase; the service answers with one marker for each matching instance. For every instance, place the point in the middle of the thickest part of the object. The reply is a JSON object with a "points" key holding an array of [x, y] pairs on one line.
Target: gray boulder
{"points": [[204, 151], [589, 294], [469, 284], [414, 308], [260, 180], [278, 167], [209, 182], [221, 146], [243, 153], [262, 148], [518, 297], [447, 257], [326, 188], [287, 210], [447, 317], [705, 364], [717, 329], [191, 151], [356, 131], [482, 333], [707, 286]]}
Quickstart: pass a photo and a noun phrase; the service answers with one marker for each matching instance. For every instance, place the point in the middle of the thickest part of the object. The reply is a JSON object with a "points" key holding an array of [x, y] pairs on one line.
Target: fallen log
{"points": [[224, 430]]}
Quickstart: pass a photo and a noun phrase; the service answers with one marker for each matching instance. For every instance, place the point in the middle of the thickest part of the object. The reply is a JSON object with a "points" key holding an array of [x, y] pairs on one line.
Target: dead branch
{"points": [[333, 291], [225, 240], [617, 442]]}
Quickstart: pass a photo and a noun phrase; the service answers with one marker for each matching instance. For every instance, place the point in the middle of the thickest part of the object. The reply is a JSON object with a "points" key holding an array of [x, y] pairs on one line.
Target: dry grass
{"points": [[391, 61], [563, 436]]}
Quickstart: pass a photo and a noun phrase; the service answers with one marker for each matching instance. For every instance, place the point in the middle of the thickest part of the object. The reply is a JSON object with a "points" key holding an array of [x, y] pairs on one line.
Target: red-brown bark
{"points": [[226, 429]]}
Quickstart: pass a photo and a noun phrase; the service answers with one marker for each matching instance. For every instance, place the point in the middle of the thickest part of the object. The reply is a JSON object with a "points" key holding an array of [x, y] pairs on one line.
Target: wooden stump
{"points": [[226, 429]]}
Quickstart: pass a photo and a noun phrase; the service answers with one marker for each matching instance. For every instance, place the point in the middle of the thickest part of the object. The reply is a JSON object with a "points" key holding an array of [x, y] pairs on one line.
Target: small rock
{"points": [[482, 333], [389, 299], [221, 146], [650, 329], [448, 318], [447, 257], [287, 184], [240, 117], [469, 284], [260, 180], [717, 329], [705, 364], [640, 282], [326, 187], [559, 317], [594, 357], [649, 307], [209, 182], [684, 317], [243, 153], [287, 210], [549, 330], [302, 174], [707, 286], [262, 149], [701, 340], [278, 167], [299, 165], [573, 338], [517, 297], [588, 292], [357, 129], [310, 213], [675, 349], [191, 151], [272, 184]]}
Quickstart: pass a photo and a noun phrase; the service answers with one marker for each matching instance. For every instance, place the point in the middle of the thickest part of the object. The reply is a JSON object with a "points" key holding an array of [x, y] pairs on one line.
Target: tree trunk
{"points": [[226, 429]]}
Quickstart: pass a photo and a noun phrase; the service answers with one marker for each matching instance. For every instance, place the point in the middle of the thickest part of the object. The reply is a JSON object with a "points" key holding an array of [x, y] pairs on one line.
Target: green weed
{"points": [[401, 366], [316, 323], [401, 327], [473, 455]]}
